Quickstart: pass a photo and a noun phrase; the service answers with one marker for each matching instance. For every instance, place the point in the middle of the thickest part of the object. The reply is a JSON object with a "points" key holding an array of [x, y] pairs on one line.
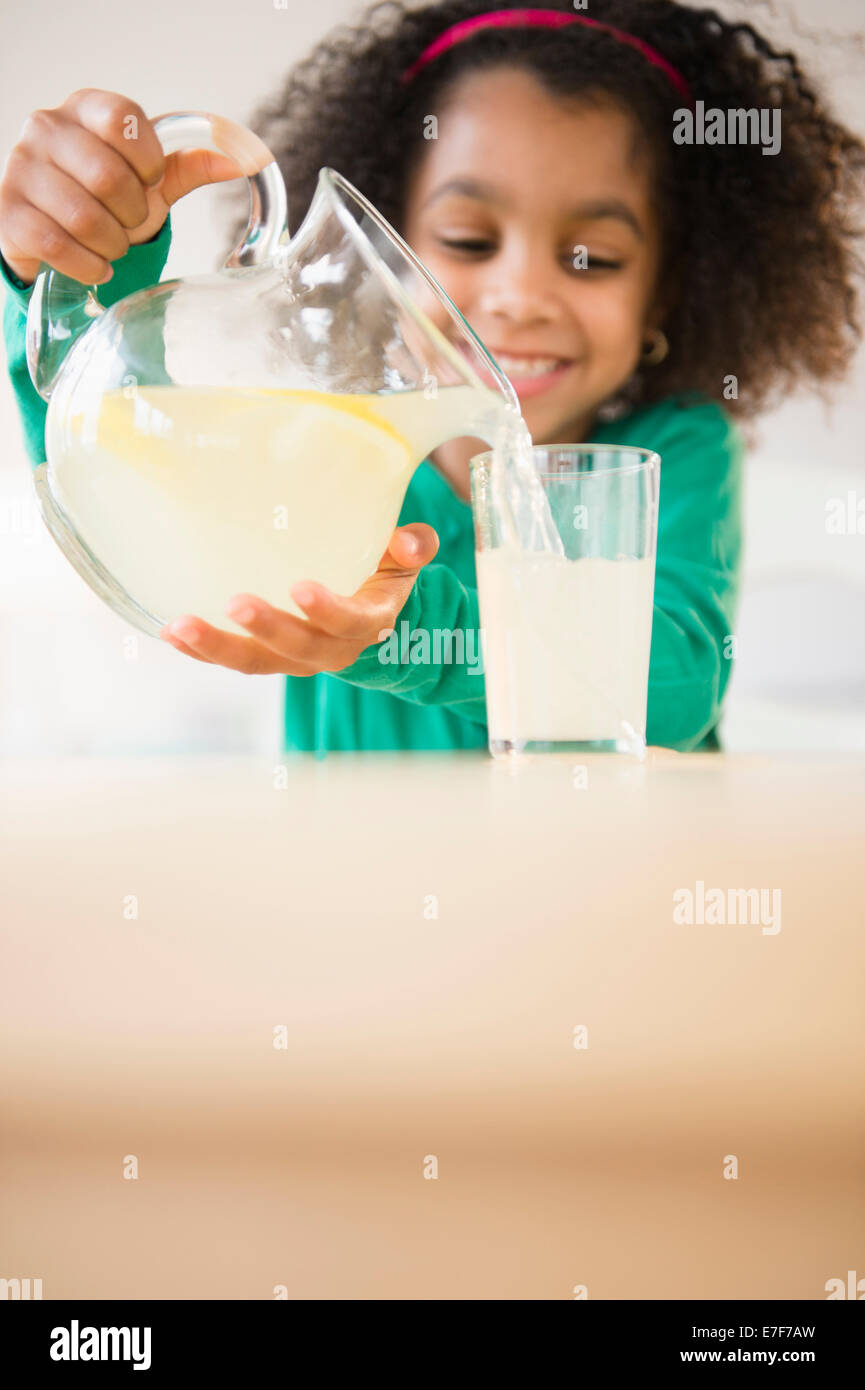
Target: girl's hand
{"points": [[337, 631], [87, 180]]}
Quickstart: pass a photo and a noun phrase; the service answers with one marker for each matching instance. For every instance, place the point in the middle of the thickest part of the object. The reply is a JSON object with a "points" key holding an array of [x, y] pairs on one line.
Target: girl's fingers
{"points": [[179, 646], [411, 547], [344, 619], [26, 226], [81, 215], [285, 634], [118, 124], [361, 617], [244, 654], [102, 164]]}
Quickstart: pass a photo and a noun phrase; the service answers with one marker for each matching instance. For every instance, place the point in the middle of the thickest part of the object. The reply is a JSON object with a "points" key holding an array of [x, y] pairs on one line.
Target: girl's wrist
{"points": [[10, 275]]}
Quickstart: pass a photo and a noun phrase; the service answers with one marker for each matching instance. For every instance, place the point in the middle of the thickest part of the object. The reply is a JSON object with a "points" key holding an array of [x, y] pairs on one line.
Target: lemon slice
{"points": [[359, 406], [159, 425]]}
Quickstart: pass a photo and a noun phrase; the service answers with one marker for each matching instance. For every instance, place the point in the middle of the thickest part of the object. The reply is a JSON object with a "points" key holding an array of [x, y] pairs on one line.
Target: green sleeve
{"points": [[696, 576], [141, 266], [696, 590], [438, 600]]}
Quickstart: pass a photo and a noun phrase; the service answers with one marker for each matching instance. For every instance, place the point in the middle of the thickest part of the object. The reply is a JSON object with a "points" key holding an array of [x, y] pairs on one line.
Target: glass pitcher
{"points": [[244, 430]]}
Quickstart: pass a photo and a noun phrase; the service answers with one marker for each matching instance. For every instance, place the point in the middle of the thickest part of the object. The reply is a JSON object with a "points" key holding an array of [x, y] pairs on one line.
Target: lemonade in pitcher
{"points": [[189, 495]]}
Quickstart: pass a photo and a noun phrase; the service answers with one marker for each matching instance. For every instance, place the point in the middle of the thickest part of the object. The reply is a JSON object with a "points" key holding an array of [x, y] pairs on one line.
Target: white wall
{"points": [[67, 681]]}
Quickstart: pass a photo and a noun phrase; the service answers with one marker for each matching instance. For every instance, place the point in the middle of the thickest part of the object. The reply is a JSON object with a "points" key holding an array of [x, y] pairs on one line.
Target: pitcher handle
{"points": [[61, 309]]}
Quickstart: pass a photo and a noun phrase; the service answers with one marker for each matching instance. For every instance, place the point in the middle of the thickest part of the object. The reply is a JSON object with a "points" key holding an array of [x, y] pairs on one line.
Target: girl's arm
{"points": [[141, 266]]}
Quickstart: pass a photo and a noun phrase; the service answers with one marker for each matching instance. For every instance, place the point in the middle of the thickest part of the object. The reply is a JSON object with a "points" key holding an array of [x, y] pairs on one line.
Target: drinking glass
{"points": [[565, 639]]}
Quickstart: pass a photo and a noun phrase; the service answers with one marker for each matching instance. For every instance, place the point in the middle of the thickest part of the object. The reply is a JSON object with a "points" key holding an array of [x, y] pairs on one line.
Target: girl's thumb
{"points": [[412, 546], [189, 169]]}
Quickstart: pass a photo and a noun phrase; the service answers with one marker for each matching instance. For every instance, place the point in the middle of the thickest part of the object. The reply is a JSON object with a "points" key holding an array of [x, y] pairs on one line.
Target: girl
{"points": [[641, 274]]}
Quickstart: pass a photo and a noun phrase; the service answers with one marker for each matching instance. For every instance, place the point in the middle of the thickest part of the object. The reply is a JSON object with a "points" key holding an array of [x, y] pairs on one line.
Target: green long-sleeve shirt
{"points": [[373, 704]]}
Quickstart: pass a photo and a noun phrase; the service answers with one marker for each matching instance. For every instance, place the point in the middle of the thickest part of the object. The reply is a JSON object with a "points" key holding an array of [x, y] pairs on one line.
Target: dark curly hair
{"points": [[760, 259]]}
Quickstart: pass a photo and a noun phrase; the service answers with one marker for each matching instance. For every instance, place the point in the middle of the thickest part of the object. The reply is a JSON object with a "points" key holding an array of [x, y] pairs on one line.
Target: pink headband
{"points": [[541, 19]]}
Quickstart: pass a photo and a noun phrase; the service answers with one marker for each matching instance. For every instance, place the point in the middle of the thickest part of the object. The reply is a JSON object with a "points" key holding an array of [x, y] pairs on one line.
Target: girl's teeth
{"points": [[523, 367]]}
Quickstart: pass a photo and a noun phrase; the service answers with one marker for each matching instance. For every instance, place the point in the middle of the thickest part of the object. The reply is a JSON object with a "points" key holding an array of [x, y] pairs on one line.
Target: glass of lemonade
{"points": [[566, 638]]}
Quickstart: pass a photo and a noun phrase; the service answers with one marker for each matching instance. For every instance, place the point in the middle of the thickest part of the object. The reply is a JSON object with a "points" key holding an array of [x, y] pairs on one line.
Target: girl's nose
{"points": [[522, 294]]}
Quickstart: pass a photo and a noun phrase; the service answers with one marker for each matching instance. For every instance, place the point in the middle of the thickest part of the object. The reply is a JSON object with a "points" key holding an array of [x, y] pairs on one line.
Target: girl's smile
{"points": [[530, 373]]}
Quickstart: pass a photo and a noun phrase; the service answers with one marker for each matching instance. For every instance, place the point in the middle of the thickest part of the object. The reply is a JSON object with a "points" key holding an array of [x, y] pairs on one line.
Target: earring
{"points": [[655, 348]]}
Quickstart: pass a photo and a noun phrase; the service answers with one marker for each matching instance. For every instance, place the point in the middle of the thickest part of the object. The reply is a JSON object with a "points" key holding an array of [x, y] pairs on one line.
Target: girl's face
{"points": [[516, 182]]}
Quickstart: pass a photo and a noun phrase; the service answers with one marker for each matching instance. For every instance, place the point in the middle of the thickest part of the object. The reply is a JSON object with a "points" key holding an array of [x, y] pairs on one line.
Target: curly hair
{"points": [[760, 263]]}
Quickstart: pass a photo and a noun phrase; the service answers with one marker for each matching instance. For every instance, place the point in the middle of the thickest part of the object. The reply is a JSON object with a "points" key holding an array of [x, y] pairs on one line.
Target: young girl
{"points": [[644, 259]]}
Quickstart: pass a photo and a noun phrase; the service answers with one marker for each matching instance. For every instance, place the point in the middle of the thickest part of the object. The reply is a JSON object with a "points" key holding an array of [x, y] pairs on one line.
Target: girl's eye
{"points": [[592, 262], [468, 245], [597, 263]]}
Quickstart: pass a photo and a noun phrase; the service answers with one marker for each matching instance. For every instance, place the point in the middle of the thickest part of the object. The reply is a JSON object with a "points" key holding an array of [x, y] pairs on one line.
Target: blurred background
{"points": [[74, 679]]}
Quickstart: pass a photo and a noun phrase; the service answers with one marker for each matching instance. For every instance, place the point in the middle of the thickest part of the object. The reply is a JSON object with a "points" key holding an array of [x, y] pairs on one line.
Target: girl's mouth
{"points": [[531, 376], [528, 375]]}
